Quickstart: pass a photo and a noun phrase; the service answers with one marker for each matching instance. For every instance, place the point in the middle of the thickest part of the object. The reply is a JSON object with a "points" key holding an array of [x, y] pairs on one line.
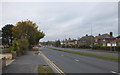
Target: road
{"points": [[73, 63]]}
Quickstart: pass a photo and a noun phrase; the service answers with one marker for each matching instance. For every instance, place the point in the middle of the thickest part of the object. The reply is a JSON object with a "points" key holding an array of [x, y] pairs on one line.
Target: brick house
{"points": [[0, 37], [69, 41], [118, 40], [105, 39], [86, 40]]}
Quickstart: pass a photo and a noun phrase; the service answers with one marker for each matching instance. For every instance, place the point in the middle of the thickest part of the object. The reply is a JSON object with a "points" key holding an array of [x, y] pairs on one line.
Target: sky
{"points": [[60, 20]]}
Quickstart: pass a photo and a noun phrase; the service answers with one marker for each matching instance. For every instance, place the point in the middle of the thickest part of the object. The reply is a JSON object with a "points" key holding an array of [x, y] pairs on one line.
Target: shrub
{"points": [[84, 46], [23, 45], [63, 46], [96, 46], [15, 46]]}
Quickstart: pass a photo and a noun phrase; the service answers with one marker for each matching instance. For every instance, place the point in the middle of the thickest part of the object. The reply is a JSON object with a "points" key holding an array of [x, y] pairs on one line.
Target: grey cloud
{"points": [[64, 20]]}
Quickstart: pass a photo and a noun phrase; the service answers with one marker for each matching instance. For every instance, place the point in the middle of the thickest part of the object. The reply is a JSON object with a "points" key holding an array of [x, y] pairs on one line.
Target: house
{"points": [[0, 37], [105, 39], [86, 40], [118, 40], [69, 41]]}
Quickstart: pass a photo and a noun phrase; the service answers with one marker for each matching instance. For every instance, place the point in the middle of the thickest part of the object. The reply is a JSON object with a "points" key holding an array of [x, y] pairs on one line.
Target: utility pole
{"points": [[91, 35]]}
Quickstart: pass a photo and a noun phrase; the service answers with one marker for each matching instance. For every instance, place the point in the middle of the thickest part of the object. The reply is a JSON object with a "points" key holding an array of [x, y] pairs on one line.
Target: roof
{"points": [[118, 36], [86, 37], [0, 33], [105, 36]]}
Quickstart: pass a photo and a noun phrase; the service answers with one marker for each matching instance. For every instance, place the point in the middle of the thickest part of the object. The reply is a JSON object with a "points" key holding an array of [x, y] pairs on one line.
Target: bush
{"points": [[116, 48], [84, 46], [63, 46], [15, 46], [96, 46], [23, 45]]}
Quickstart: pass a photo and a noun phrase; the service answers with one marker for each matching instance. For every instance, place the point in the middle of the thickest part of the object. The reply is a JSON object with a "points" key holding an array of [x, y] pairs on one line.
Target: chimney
{"points": [[69, 38], [99, 34], [111, 34]]}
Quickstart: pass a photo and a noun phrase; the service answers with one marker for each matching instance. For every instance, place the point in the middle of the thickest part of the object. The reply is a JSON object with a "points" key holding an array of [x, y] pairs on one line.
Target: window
{"points": [[103, 39], [96, 40], [104, 44], [108, 44]]}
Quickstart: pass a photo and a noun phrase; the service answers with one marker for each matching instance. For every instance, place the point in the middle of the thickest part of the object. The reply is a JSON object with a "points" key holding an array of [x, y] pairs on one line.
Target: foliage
{"points": [[27, 30], [23, 45], [15, 46], [57, 43], [7, 34], [96, 46], [84, 46]]}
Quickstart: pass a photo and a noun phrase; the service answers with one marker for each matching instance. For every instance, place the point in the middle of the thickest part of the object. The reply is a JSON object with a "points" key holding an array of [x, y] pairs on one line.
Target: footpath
{"points": [[25, 64]]}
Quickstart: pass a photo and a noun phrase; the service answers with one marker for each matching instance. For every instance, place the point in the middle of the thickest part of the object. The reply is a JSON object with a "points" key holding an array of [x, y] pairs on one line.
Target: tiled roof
{"points": [[105, 36]]}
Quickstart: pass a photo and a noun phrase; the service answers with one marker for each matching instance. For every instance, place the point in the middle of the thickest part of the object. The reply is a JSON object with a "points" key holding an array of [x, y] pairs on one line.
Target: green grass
{"points": [[89, 54], [45, 70]]}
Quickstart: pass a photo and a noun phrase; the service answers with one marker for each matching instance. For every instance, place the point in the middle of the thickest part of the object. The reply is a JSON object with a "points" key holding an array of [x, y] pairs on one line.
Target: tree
{"points": [[23, 45], [7, 34], [15, 46], [57, 43], [27, 30]]}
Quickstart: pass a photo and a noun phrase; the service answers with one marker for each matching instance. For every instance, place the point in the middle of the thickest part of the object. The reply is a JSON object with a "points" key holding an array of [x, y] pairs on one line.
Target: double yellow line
{"points": [[52, 64]]}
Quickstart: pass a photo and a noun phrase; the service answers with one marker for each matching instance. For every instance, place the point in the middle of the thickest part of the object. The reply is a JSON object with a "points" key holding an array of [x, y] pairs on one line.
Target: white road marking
{"points": [[76, 60], [115, 72]]}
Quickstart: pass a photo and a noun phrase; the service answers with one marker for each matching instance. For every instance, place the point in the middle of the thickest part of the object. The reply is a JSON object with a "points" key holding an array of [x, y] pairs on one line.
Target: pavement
{"points": [[98, 52], [25, 64], [68, 63], [73, 63]]}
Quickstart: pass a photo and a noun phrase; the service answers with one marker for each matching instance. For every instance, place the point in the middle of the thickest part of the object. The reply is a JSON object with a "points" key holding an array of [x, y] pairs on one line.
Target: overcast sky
{"points": [[60, 20]]}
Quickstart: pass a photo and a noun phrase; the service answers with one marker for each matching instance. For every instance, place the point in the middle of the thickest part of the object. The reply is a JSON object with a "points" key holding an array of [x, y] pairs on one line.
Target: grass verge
{"points": [[89, 54], [45, 70]]}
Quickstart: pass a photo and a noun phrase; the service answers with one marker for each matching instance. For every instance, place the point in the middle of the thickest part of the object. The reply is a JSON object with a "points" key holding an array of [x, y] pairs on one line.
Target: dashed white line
{"points": [[115, 72], [76, 59]]}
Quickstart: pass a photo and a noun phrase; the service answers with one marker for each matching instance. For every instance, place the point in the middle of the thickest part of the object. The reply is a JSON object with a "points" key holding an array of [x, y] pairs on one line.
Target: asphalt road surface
{"points": [[73, 63]]}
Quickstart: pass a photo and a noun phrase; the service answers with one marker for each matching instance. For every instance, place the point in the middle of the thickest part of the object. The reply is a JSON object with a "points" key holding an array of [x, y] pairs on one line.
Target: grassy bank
{"points": [[45, 70], [89, 54]]}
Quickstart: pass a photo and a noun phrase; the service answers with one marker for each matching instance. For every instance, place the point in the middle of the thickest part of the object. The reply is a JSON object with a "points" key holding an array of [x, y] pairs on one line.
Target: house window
{"points": [[114, 44], [103, 39], [96, 40], [108, 44], [104, 44], [119, 44]]}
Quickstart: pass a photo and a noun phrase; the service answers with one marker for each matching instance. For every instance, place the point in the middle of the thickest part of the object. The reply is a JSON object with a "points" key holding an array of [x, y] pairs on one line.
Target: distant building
{"points": [[86, 40], [0, 37], [118, 40], [69, 41], [105, 40]]}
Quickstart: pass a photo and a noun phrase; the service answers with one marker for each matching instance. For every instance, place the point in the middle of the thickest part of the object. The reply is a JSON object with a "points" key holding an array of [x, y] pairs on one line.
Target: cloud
{"points": [[60, 20]]}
